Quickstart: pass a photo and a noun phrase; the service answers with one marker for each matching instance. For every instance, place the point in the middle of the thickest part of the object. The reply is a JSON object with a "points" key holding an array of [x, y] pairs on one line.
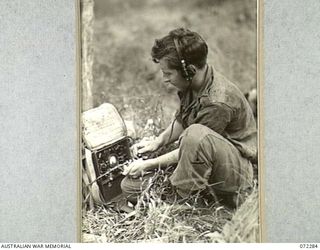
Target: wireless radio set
{"points": [[106, 151]]}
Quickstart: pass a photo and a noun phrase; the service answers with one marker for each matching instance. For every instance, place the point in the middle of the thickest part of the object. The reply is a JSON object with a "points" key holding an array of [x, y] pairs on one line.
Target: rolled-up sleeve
{"points": [[215, 116]]}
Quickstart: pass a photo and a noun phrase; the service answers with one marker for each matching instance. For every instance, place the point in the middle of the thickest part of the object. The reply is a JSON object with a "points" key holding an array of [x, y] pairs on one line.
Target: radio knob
{"points": [[103, 166]]}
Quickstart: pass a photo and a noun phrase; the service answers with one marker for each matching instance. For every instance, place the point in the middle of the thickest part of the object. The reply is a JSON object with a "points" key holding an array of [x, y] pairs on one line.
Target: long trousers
{"points": [[207, 161]]}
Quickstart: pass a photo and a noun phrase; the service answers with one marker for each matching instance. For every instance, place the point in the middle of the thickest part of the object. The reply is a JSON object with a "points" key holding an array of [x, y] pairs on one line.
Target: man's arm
{"points": [[139, 167], [165, 160], [171, 134]]}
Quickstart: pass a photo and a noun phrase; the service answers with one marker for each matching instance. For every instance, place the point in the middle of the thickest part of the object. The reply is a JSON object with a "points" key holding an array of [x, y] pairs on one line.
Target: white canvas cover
{"points": [[102, 126]]}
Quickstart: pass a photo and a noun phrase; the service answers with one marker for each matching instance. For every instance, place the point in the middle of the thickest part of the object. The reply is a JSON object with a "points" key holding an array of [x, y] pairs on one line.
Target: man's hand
{"points": [[140, 167], [137, 168], [145, 145]]}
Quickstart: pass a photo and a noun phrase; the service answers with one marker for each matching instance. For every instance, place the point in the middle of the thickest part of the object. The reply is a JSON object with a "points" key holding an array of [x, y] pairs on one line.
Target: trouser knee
{"points": [[130, 189], [133, 187], [206, 157], [194, 134]]}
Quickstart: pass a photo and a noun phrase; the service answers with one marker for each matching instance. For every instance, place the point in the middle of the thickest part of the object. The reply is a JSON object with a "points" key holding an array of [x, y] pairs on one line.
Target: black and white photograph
{"points": [[169, 121]]}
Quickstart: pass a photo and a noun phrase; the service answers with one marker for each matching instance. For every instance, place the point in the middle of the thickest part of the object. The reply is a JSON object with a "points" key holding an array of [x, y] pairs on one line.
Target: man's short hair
{"points": [[193, 48]]}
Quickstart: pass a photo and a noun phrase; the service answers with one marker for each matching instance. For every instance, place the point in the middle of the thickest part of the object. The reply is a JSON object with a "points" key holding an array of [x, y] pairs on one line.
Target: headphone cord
{"points": [[171, 131], [176, 116]]}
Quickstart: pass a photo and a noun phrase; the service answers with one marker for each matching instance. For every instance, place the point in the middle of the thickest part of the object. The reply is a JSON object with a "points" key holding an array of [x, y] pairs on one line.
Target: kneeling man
{"points": [[214, 125]]}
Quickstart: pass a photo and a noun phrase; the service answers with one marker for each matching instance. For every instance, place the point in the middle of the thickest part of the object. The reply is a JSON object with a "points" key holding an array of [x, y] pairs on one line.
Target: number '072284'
{"points": [[308, 245]]}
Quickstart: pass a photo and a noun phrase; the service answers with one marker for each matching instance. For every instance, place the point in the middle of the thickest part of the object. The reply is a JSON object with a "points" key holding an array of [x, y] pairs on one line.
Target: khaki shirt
{"points": [[222, 107]]}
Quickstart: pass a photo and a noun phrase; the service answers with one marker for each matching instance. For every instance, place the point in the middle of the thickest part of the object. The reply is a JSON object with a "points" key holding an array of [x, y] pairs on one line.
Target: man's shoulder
{"points": [[223, 85], [224, 91]]}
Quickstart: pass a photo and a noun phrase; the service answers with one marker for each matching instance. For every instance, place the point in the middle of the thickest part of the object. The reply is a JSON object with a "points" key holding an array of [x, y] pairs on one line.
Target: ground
{"points": [[124, 75]]}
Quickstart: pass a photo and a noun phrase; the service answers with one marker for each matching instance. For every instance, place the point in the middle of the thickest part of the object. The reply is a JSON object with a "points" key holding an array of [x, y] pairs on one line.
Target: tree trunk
{"points": [[87, 19]]}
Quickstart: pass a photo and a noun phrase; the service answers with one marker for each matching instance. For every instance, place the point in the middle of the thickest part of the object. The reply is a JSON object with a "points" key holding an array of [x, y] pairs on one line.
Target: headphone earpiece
{"points": [[191, 69]]}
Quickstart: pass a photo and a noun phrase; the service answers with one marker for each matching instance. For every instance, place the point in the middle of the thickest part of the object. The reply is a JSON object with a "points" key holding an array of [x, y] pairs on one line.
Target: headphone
{"points": [[188, 71]]}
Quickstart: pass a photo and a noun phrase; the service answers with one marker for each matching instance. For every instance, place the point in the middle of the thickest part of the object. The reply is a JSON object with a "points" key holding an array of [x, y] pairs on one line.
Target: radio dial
{"points": [[113, 161]]}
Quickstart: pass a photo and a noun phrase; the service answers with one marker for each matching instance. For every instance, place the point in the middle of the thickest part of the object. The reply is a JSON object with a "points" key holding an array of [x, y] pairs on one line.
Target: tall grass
{"points": [[159, 219]]}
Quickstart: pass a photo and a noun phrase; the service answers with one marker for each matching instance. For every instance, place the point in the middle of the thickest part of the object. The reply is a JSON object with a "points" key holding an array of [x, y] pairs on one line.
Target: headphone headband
{"points": [[182, 60]]}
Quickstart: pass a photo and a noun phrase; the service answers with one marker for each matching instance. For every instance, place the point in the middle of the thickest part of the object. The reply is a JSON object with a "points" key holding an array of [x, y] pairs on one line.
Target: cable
{"points": [[171, 130]]}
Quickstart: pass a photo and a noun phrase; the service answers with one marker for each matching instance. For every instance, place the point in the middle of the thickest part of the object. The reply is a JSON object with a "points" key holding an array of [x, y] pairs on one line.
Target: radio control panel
{"points": [[106, 161]]}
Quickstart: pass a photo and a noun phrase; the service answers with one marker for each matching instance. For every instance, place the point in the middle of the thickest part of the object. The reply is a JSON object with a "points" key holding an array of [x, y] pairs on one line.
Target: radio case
{"points": [[107, 146]]}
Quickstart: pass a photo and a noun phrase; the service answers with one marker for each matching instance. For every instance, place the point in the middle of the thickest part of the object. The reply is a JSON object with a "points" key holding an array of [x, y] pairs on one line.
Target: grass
{"points": [[155, 219], [124, 75]]}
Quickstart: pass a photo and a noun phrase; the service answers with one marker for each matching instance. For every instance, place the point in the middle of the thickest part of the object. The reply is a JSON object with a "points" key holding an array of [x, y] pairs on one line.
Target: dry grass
{"points": [[244, 226], [160, 222], [166, 220]]}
